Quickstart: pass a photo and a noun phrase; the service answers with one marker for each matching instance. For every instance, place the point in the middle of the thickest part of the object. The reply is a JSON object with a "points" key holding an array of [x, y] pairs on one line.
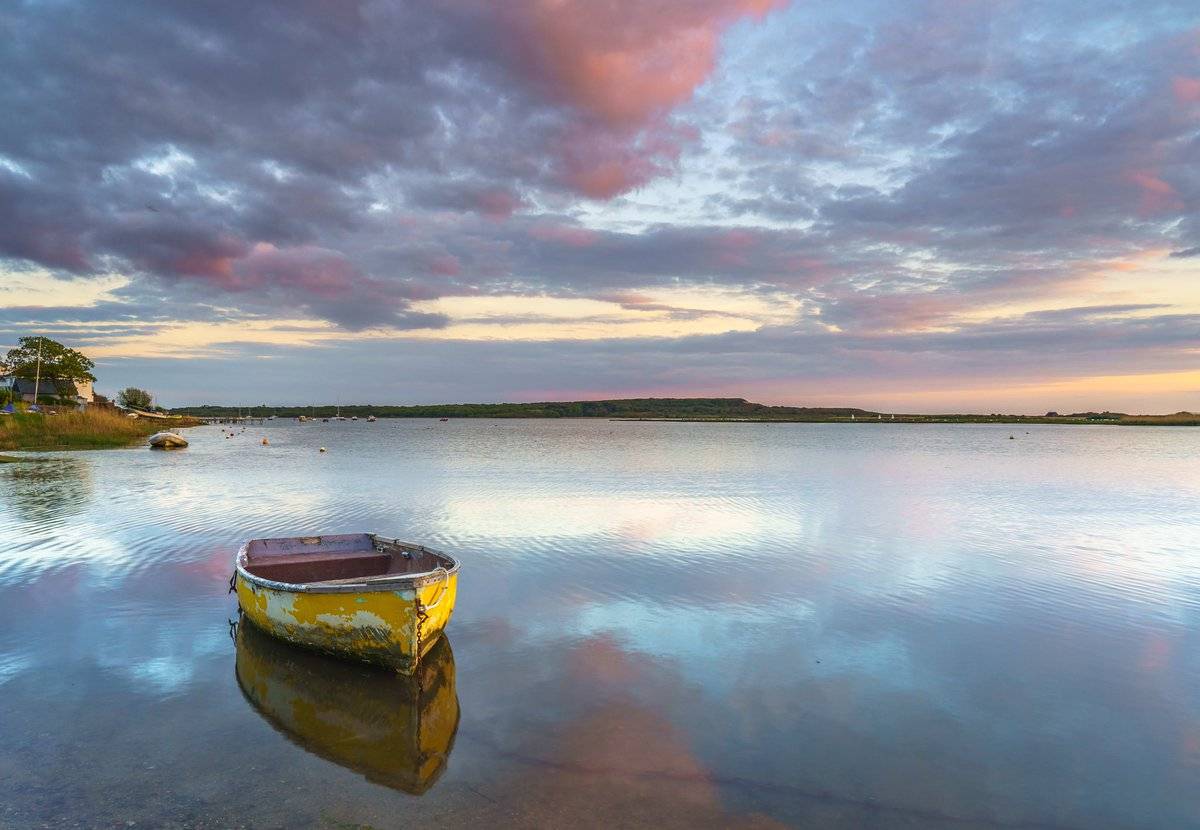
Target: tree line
{"points": [[697, 408]]}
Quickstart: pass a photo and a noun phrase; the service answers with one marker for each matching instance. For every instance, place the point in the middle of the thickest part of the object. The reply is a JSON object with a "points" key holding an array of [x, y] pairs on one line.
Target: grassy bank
{"points": [[93, 429]]}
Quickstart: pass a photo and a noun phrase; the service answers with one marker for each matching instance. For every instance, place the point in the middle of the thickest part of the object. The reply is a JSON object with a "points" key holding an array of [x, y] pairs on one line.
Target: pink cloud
{"points": [[1155, 195], [735, 248], [320, 273], [809, 271], [900, 312], [621, 68], [207, 258], [445, 265], [216, 266], [1186, 90], [625, 64], [571, 235], [311, 270], [602, 163], [497, 204], [325, 283]]}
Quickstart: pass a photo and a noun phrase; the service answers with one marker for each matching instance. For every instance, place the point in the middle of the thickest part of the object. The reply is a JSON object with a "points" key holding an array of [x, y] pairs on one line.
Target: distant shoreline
{"points": [[1132, 420], [684, 410]]}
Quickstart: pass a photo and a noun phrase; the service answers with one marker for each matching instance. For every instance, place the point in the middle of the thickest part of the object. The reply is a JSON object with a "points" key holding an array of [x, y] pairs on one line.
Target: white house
{"points": [[80, 391]]}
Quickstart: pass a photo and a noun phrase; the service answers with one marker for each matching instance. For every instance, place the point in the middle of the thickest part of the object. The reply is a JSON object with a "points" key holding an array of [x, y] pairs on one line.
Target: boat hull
{"points": [[392, 623]]}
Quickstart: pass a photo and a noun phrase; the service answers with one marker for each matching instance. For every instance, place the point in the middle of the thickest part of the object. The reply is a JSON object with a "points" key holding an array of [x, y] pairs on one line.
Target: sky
{"points": [[905, 206]]}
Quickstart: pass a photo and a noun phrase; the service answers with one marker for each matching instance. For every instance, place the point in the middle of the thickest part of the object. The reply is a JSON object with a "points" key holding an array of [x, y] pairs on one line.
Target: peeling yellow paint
{"points": [[382, 627]]}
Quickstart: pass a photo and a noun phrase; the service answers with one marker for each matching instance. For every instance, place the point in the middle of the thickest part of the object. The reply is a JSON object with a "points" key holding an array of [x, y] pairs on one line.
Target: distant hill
{"points": [[689, 408]]}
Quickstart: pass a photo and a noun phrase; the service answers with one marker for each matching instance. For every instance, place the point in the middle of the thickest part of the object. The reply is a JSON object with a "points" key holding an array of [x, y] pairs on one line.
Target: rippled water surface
{"points": [[667, 624]]}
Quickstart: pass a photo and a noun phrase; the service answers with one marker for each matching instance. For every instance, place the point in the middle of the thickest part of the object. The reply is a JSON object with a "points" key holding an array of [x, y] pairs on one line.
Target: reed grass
{"points": [[91, 429], [1177, 419]]}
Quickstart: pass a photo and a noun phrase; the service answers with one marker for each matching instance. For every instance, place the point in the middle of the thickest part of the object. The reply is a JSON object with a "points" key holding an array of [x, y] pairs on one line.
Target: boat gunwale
{"points": [[376, 584]]}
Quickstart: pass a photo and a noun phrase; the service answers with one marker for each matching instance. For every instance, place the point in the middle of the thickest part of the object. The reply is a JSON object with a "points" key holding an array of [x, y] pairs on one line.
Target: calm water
{"points": [[672, 624]]}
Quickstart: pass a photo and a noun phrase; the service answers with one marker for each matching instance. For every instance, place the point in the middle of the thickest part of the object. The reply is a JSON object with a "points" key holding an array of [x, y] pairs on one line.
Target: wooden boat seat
{"points": [[321, 567]]}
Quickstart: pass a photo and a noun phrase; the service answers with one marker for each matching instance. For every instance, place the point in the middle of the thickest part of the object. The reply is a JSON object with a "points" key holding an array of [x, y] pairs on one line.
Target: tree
{"points": [[134, 398], [57, 361]]}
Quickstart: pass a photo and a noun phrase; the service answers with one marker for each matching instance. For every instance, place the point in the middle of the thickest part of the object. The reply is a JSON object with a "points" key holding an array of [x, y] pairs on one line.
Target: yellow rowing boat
{"points": [[397, 731], [358, 595]]}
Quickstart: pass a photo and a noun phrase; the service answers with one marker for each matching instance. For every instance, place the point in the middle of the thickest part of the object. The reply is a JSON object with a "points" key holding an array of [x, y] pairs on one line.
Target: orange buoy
{"points": [[266, 443]]}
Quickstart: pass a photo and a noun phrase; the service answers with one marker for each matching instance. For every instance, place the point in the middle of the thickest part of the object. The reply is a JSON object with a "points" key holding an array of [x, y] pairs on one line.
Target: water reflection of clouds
{"points": [[13, 664], [696, 522], [703, 639], [710, 646], [872, 676], [164, 674], [66, 544], [604, 749], [162, 653], [46, 489], [156, 633]]}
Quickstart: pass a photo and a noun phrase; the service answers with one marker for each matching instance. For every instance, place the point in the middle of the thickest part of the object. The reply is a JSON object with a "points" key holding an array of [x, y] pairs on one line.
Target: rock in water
{"points": [[167, 440]]}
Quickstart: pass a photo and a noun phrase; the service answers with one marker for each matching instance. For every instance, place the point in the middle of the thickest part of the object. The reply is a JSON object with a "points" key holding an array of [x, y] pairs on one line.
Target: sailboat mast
{"points": [[37, 375]]}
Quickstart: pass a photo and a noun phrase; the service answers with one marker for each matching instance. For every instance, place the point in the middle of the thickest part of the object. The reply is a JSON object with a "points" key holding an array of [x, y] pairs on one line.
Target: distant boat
{"points": [[443, 419], [371, 419], [270, 417], [353, 417], [167, 441]]}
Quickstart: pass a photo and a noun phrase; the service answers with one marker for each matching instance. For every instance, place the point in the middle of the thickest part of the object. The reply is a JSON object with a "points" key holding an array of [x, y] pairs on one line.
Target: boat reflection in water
{"points": [[395, 730]]}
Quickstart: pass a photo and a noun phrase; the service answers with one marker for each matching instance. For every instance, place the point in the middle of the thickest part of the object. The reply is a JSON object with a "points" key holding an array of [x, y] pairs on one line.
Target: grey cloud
{"points": [[171, 140]]}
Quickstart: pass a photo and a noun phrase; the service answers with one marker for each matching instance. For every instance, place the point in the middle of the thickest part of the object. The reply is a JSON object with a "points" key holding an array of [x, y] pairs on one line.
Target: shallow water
{"points": [[681, 625]]}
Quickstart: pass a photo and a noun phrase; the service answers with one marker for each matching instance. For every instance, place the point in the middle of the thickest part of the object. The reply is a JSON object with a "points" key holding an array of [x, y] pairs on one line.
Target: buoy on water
{"points": [[266, 443], [322, 449]]}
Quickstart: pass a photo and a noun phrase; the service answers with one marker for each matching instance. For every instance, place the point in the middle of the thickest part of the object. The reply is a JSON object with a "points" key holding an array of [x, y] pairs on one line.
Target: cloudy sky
{"points": [[909, 206]]}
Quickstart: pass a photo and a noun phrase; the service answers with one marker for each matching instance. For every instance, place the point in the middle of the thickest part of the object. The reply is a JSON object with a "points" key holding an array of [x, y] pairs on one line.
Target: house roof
{"points": [[48, 386]]}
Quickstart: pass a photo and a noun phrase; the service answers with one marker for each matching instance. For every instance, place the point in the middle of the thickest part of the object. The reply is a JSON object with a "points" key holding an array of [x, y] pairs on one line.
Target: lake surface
{"points": [[678, 625]]}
